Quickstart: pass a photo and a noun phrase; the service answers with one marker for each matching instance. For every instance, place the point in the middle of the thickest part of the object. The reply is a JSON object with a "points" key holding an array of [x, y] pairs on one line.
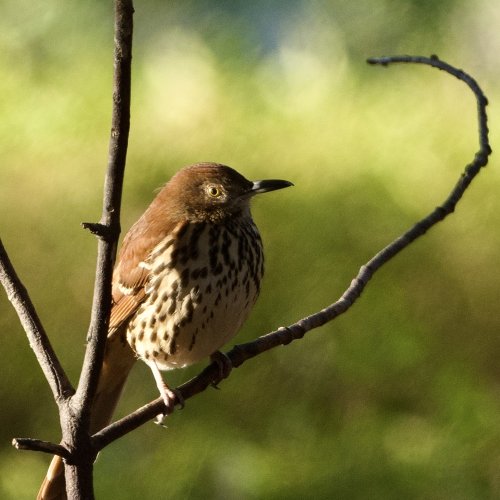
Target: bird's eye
{"points": [[214, 191]]}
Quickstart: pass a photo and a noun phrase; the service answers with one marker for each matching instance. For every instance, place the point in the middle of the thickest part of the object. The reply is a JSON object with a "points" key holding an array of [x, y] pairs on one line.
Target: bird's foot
{"points": [[224, 364], [170, 397]]}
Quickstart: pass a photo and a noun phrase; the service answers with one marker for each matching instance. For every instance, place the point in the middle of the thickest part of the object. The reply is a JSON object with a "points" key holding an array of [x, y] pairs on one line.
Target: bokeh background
{"points": [[397, 399]]}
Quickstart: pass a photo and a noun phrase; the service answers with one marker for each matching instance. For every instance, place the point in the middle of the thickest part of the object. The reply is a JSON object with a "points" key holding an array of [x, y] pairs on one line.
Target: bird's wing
{"points": [[132, 272], [129, 291]]}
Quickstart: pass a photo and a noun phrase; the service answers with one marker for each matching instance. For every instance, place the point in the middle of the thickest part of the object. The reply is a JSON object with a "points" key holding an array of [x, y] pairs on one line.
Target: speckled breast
{"points": [[204, 280]]}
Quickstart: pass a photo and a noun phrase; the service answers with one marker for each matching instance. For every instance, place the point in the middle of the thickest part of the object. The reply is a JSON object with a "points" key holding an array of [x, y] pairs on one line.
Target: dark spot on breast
{"points": [[168, 243], [193, 241], [158, 307], [153, 336], [172, 306], [172, 346], [193, 339], [212, 257], [189, 310], [154, 296], [132, 343], [226, 243], [185, 278], [175, 330], [183, 254]]}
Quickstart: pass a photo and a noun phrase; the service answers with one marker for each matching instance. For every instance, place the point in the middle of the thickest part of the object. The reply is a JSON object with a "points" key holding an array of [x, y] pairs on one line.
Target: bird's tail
{"points": [[118, 361]]}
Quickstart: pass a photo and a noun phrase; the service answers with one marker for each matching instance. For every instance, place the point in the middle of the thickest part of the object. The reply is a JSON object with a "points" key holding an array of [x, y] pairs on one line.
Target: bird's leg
{"points": [[224, 364], [168, 395]]}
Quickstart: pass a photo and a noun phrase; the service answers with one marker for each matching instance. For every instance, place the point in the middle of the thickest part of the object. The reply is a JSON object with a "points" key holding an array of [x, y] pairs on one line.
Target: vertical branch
{"points": [[108, 229]]}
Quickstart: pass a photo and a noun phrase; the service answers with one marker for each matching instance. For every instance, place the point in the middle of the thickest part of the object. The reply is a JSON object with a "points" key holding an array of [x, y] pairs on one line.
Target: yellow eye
{"points": [[214, 191]]}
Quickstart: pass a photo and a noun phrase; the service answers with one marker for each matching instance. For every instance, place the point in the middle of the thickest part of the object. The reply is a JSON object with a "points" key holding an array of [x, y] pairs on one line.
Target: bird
{"points": [[186, 278]]}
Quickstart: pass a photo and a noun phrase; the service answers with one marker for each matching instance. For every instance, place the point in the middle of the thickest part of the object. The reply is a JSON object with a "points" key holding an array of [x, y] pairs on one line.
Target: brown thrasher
{"points": [[186, 278]]}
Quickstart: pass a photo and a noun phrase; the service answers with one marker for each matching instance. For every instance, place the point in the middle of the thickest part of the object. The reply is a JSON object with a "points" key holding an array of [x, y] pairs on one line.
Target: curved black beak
{"points": [[269, 185]]}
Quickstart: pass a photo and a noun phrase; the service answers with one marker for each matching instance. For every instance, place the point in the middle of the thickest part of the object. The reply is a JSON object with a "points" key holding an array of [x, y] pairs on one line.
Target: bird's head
{"points": [[210, 192]]}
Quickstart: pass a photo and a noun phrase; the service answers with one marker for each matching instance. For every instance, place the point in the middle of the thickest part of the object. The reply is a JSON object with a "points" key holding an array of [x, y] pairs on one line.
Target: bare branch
{"points": [[108, 229], [18, 295], [482, 102], [283, 336], [43, 446]]}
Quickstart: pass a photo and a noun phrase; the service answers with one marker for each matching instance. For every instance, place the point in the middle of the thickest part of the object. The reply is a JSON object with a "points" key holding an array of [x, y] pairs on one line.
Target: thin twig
{"points": [[283, 336], [18, 295], [43, 446]]}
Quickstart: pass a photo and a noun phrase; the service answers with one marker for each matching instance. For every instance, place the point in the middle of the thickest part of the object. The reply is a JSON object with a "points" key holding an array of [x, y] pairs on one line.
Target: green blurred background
{"points": [[397, 399]]}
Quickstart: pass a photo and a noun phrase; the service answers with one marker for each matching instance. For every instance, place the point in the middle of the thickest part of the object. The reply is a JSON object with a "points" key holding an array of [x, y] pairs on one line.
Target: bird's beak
{"points": [[268, 185]]}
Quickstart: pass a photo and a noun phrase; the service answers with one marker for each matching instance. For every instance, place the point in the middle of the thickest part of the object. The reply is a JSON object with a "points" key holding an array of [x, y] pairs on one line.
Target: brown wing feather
{"points": [[131, 274], [124, 308]]}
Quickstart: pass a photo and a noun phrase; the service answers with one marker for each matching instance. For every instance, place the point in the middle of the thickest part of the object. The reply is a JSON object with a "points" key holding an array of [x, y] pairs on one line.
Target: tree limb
{"points": [[108, 229], [18, 295]]}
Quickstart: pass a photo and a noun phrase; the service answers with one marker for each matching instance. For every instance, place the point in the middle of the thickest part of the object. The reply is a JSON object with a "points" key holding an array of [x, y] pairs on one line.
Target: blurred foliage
{"points": [[397, 399]]}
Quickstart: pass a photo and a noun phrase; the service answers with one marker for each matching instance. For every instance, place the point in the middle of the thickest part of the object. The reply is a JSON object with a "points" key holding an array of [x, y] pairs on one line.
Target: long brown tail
{"points": [[118, 361]]}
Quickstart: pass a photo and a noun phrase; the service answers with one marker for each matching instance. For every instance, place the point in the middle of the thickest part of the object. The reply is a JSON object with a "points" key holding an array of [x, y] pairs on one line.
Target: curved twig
{"points": [[242, 352]]}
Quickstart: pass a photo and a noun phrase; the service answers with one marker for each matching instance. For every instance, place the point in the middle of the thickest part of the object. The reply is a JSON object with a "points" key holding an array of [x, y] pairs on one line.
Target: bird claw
{"points": [[160, 420], [225, 367], [180, 400], [170, 397]]}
